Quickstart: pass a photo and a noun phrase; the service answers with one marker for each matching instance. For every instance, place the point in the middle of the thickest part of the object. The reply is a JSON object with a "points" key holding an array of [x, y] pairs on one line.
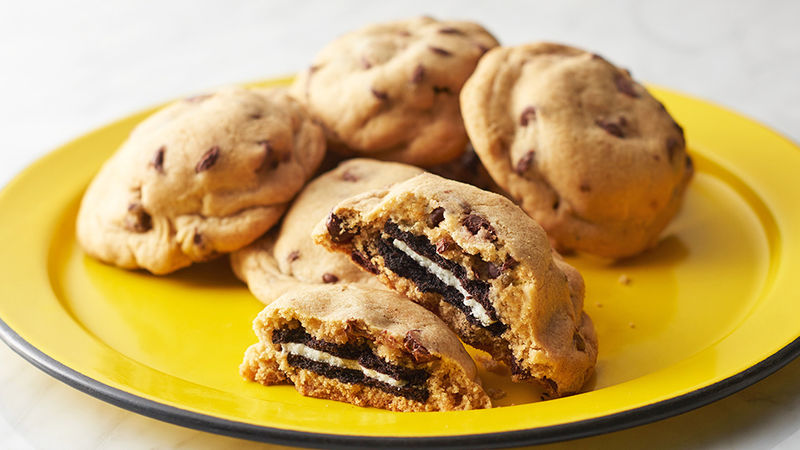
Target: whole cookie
{"points": [[390, 90], [279, 261], [482, 265], [583, 148], [203, 176]]}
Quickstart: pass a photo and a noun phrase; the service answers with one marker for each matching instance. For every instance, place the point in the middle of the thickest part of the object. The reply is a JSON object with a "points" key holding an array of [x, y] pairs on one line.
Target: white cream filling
{"points": [[324, 357], [447, 277]]}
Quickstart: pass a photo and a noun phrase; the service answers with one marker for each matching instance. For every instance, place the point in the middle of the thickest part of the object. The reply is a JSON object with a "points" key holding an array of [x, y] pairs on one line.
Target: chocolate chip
{"points": [[441, 90], [625, 85], [435, 217], [610, 127], [294, 255], [208, 160], [329, 278], [524, 164], [270, 158], [492, 270], [528, 115], [255, 116], [365, 63], [197, 239], [656, 157], [338, 234], [380, 95], [475, 223], [672, 145], [347, 175], [443, 245], [158, 160], [137, 219], [585, 187], [418, 75], [439, 51], [509, 263], [450, 30], [552, 385], [556, 204], [413, 345], [363, 260]]}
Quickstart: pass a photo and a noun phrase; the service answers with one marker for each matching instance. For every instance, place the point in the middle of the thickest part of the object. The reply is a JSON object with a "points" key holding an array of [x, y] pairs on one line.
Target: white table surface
{"points": [[69, 67]]}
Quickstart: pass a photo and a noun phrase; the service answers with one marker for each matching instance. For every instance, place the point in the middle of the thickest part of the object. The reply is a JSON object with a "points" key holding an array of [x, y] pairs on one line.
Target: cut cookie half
{"points": [[482, 265], [362, 346]]}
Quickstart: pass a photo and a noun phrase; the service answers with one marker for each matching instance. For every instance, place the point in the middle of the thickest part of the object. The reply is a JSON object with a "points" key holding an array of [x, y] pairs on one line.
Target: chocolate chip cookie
{"points": [[203, 176], [275, 263], [362, 346], [390, 90], [581, 146], [479, 263]]}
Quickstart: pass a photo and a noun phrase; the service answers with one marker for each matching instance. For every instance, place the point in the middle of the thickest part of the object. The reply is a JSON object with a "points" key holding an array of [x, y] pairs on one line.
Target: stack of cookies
{"points": [[376, 272]]}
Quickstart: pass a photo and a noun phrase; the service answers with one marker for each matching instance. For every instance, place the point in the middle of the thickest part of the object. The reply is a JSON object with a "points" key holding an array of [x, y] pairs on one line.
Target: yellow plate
{"points": [[711, 310]]}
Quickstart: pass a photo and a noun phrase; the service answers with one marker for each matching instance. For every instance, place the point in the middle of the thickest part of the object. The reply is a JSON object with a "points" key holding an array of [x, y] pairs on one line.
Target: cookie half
{"points": [[479, 263], [581, 146], [275, 263], [203, 176], [362, 346], [390, 90]]}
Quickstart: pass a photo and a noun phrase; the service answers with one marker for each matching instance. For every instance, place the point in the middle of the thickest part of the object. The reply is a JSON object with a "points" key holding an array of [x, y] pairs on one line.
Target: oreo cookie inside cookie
{"points": [[352, 363], [415, 258]]}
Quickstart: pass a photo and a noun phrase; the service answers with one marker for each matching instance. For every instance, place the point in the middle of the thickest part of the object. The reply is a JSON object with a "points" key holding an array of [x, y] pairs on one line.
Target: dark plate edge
{"points": [[572, 430]]}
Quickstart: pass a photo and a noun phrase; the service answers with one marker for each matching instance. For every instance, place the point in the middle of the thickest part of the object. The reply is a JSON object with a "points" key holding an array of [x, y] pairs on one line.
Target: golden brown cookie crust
{"points": [[203, 176], [390, 90], [582, 147]]}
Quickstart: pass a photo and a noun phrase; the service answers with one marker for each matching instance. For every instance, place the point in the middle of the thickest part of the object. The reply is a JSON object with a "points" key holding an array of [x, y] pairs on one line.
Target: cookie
{"points": [[274, 264], [203, 176], [362, 346], [581, 146], [479, 263], [390, 90]]}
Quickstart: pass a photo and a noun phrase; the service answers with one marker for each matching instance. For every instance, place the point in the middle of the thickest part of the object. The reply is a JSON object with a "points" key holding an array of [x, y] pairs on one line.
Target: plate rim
{"points": [[532, 436]]}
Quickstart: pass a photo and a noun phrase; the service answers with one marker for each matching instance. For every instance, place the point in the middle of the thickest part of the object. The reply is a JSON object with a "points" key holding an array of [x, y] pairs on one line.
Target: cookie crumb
{"points": [[631, 325], [624, 280], [598, 304], [495, 394]]}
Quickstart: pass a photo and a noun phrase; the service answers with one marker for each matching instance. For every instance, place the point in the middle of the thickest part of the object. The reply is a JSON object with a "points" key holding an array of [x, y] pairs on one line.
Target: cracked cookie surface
{"points": [[479, 263], [581, 146], [390, 90], [203, 176], [279, 261]]}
